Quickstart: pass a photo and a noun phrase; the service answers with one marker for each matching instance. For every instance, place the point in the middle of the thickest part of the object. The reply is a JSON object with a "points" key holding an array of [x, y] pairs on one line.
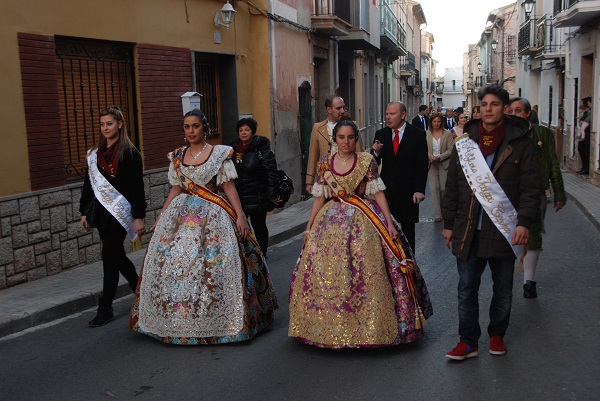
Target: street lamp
{"points": [[528, 7], [226, 16], [494, 45]]}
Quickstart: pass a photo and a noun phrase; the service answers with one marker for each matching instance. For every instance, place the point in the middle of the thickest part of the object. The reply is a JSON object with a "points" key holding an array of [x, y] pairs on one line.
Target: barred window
{"points": [[91, 75]]}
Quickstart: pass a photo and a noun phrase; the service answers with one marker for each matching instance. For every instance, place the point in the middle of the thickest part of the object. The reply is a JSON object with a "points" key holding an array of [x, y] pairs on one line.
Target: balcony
{"points": [[364, 21], [577, 13], [407, 65], [547, 39], [331, 17], [528, 41], [392, 34]]}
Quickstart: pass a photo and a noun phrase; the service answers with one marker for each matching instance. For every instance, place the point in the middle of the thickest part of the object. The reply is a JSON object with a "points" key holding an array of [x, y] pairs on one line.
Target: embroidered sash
{"points": [[112, 200], [489, 193], [407, 266], [206, 194]]}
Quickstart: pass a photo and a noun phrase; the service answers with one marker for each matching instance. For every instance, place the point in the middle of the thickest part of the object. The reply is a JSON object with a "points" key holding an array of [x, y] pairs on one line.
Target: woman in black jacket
{"points": [[120, 164], [257, 177]]}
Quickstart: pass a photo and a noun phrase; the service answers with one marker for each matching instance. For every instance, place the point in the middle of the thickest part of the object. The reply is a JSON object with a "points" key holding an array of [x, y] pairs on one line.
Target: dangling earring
{"points": [[184, 138]]}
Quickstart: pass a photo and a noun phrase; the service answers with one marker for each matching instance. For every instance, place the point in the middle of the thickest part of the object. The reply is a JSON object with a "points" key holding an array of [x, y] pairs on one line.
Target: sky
{"points": [[455, 25]]}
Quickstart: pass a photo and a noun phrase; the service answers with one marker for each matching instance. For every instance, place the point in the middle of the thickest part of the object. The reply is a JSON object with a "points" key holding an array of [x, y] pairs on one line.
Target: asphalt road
{"points": [[552, 341]]}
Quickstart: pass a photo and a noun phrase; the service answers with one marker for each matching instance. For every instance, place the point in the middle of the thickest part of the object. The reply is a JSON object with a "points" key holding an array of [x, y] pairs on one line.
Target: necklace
{"points": [[344, 161], [199, 153]]}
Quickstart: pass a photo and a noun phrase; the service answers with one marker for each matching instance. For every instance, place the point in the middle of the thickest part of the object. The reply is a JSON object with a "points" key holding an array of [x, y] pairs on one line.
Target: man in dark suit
{"points": [[402, 148], [449, 121], [420, 120]]}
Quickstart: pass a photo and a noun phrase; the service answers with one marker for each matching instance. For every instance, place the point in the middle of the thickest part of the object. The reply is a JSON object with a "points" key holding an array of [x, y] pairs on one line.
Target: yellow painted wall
{"points": [[157, 22]]}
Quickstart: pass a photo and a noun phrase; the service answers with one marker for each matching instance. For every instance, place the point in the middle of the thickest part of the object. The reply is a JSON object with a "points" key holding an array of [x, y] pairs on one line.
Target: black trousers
{"points": [[114, 260], [584, 153], [259, 224]]}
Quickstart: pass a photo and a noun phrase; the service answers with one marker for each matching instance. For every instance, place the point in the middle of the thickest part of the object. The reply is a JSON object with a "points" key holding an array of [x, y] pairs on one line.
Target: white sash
{"points": [[112, 200], [489, 193]]}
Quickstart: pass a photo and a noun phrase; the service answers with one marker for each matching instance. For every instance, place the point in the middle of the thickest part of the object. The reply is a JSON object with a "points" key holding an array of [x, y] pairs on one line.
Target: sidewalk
{"points": [[31, 304], [42, 301]]}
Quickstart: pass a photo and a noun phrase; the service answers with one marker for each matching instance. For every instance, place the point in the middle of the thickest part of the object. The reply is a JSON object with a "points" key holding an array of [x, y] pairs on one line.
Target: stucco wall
{"points": [[156, 22]]}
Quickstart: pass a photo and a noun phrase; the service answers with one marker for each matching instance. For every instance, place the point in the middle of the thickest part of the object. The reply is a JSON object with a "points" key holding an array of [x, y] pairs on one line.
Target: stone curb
{"points": [[584, 210]]}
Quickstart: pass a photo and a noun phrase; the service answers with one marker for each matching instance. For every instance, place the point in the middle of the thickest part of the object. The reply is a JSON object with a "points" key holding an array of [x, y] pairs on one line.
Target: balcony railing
{"points": [[333, 8], [393, 35], [546, 37], [537, 37], [576, 12], [332, 17], [528, 38], [407, 64]]}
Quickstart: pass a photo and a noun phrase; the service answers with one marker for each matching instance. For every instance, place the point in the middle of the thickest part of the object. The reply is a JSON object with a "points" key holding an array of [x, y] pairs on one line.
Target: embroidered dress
{"points": [[199, 284], [347, 287]]}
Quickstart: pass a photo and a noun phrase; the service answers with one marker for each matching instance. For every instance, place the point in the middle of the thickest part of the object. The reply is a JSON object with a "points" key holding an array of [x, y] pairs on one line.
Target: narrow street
{"points": [[552, 341]]}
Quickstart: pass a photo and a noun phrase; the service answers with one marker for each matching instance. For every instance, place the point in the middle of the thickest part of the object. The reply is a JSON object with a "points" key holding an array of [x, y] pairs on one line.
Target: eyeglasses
{"points": [[516, 110]]}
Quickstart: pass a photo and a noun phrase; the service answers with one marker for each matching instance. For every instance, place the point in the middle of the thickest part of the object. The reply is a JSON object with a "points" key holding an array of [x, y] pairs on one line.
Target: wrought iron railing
{"points": [[407, 63], [92, 75], [391, 26], [333, 8]]}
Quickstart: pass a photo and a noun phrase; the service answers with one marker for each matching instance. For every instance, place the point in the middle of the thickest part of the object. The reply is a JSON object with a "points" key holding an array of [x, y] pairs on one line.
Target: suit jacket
{"points": [[320, 147], [446, 145], [445, 122], [419, 124], [405, 172]]}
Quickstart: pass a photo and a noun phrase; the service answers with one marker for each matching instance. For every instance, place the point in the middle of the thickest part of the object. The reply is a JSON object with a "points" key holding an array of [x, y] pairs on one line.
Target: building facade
{"points": [[558, 43]]}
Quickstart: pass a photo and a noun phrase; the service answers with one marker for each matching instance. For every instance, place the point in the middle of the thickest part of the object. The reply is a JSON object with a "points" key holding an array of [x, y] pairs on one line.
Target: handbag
{"points": [[285, 188], [90, 213]]}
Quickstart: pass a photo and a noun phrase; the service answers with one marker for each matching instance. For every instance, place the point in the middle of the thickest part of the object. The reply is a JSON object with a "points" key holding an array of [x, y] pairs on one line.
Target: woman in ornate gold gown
{"points": [[356, 283]]}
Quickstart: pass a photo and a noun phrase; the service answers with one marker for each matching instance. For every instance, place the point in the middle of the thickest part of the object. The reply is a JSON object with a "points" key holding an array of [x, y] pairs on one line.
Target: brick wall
{"points": [[40, 96], [165, 73], [40, 234]]}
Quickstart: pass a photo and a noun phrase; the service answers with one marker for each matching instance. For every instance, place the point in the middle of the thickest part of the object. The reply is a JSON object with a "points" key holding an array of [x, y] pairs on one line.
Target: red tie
{"points": [[396, 140]]}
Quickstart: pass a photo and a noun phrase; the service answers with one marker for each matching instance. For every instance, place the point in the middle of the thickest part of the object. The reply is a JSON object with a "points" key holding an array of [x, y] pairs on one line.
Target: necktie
{"points": [[396, 140], [423, 121], [449, 124]]}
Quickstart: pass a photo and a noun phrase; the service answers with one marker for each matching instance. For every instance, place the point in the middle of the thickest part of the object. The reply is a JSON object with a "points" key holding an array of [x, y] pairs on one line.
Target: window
{"points": [[91, 75]]}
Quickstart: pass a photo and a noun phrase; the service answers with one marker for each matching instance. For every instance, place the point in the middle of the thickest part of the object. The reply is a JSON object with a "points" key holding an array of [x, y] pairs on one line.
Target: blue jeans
{"points": [[469, 272]]}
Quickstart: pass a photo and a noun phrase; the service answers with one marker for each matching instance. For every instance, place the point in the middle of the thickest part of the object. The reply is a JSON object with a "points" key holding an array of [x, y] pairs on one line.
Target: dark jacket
{"points": [[445, 122], [516, 170], [257, 176], [419, 124], [405, 172], [545, 147], [129, 181]]}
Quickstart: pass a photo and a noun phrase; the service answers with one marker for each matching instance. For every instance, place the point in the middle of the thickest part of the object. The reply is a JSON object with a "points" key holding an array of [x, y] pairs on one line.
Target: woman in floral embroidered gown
{"points": [[348, 289], [203, 281]]}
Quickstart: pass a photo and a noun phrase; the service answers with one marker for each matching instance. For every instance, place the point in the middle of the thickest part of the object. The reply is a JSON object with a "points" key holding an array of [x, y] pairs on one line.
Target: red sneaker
{"points": [[462, 351], [497, 346]]}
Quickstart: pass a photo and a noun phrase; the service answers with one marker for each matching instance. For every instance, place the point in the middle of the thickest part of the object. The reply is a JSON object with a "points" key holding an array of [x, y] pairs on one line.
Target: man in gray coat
{"points": [[476, 233]]}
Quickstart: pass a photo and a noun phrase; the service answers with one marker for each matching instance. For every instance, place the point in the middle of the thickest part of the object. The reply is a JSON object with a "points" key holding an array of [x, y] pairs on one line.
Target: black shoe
{"points": [[102, 317], [529, 290], [584, 172]]}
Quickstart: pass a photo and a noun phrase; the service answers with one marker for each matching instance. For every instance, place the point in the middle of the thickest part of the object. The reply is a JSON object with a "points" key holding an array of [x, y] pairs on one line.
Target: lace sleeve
{"points": [[374, 182], [321, 190], [227, 172], [173, 179], [374, 186]]}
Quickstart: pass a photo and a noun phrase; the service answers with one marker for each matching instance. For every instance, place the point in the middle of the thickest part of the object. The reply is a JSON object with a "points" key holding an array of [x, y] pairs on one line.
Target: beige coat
{"points": [[446, 145], [320, 147]]}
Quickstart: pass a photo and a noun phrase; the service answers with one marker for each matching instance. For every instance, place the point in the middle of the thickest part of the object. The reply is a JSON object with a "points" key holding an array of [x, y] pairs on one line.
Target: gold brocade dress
{"points": [[347, 290]]}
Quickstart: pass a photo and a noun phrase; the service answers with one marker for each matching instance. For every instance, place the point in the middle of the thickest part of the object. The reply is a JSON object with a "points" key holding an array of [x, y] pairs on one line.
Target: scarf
{"points": [[108, 158], [240, 149], [490, 140]]}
